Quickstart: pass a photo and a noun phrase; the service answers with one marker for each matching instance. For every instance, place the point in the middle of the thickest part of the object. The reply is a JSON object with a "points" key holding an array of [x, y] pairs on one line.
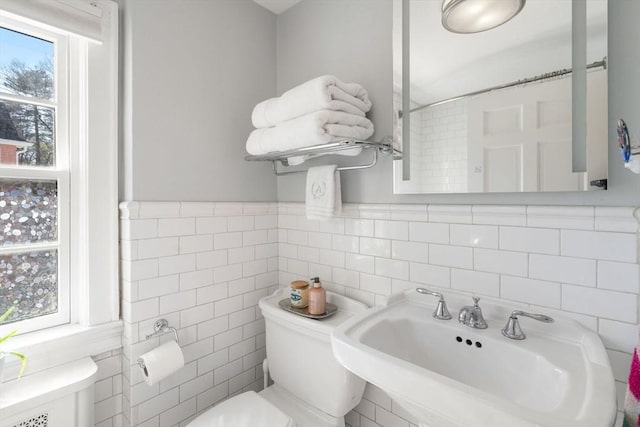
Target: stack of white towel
{"points": [[316, 112]]}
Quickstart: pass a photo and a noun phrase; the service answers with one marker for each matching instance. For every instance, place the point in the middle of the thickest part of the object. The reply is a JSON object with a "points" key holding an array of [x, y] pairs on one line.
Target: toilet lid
{"points": [[245, 410]]}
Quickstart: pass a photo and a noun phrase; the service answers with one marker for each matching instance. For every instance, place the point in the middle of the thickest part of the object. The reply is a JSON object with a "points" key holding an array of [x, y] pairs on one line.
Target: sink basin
{"points": [[446, 374]]}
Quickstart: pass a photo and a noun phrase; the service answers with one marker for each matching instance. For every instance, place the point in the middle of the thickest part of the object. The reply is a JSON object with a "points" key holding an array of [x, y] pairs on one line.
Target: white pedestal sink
{"points": [[449, 375]]}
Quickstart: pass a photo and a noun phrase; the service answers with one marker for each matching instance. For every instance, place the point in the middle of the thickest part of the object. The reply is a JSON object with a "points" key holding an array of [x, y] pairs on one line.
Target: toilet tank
{"points": [[300, 357]]}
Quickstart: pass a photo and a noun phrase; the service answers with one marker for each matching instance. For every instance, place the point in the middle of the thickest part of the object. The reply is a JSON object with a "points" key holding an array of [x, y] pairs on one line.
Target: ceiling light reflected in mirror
{"points": [[474, 16]]}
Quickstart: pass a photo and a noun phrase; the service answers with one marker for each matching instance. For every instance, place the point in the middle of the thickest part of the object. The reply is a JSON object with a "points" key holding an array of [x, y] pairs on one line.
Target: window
{"points": [[34, 176], [58, 175]]}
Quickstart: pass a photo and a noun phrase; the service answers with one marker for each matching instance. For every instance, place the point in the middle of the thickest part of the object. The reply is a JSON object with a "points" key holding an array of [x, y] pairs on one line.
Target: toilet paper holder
{"points": [[160, 327]]}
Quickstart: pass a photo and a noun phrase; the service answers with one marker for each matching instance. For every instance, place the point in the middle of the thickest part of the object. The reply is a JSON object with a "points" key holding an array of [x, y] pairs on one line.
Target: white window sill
{"points": [[52, 347]]}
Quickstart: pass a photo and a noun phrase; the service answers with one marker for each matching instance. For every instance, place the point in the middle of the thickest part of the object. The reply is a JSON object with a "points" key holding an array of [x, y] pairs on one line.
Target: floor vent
{"points": [[41, 420]]}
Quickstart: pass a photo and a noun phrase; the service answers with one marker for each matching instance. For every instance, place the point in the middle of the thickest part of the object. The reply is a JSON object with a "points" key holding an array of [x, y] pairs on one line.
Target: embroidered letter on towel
{"points": [[323, 197]]}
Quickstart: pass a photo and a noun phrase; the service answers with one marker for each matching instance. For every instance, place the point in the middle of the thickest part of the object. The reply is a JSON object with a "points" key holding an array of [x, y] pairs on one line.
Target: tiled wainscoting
{"points": [[108, 390], [203, 266]]}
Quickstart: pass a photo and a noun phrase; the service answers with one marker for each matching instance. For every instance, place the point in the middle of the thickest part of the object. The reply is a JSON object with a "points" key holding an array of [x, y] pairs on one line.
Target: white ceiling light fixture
{"points": [[474, 16]]}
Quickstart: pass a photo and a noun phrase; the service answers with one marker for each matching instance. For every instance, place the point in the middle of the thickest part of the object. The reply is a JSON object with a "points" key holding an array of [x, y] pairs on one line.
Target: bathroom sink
{"points": [[446, 374]]}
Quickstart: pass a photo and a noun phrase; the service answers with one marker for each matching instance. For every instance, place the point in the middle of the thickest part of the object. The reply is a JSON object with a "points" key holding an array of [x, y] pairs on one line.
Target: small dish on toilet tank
{"points": [[286, 305]]}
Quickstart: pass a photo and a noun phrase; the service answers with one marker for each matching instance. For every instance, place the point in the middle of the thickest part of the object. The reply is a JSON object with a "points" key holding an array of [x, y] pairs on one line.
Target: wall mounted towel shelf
{"points": [[384, 147]]}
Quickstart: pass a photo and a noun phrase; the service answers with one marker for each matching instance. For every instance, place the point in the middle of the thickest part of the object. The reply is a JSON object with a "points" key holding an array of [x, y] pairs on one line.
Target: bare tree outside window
{"points": [[27, 121], [32, 123], [29, 212]]}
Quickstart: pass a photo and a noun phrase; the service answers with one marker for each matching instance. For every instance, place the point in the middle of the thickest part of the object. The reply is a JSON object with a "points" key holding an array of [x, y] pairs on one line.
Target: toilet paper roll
{"points": [[161, 362]]}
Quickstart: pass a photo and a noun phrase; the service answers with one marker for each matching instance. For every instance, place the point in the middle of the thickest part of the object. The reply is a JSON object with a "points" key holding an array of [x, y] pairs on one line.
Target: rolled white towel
{"points": [[316, 128], [322, 93]]}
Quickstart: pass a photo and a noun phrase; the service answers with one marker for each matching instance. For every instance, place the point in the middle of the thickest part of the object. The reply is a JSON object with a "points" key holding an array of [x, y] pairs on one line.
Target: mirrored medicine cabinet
{"points": [[518, 108]]}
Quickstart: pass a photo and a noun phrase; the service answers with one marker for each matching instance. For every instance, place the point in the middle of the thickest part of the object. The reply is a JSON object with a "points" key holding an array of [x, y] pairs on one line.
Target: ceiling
{"points": [[277, 6]]}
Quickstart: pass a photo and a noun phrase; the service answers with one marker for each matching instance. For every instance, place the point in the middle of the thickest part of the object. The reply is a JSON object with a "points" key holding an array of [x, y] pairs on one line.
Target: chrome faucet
{"points": [[472, 316], [441, 311], [512, 328]]}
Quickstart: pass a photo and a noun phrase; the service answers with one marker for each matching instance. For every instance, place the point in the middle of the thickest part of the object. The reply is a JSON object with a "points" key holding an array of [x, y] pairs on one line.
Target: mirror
{"points": [[504, 110]]}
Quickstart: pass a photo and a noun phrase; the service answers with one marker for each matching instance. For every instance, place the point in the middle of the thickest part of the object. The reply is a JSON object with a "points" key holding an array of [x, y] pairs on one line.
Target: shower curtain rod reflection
{"points": [[541, 77]]}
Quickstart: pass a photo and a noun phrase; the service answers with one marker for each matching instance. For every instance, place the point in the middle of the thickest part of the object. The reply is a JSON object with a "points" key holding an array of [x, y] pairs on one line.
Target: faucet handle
{"points": [[539, 317], [475, 301], [441, 312], [512, 328]]}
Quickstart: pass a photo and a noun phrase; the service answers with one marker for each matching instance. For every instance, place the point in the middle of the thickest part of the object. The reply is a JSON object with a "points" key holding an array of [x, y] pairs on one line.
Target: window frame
{"points": [[60, 173], [93, 230]]}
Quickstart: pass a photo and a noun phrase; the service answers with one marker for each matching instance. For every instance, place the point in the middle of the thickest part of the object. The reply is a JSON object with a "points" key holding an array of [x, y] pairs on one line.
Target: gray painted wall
{"points": [[193, 70], [352, 39]]}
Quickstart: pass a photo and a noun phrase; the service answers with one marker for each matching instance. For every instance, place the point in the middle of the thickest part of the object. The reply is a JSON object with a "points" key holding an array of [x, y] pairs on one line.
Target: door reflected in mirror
{"points": [[495, 111]]}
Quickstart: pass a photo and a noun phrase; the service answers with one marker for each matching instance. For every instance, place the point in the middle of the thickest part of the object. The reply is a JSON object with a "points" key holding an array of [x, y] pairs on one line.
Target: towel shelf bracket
{"points": [[384, 147]]}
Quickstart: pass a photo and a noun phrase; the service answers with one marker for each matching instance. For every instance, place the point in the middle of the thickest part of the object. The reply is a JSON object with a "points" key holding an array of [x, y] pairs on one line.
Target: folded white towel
{"points": [[321, 93], [316, 128], [298, 160], [323, 197]]}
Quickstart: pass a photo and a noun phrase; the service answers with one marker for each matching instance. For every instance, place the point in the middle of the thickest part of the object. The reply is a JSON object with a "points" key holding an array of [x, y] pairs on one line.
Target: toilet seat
{"points": [[247, 409], [303, 414]]}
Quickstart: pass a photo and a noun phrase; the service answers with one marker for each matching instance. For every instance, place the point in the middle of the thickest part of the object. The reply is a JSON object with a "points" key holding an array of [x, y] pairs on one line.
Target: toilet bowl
{"points": [[246, 409], [311, 389]]}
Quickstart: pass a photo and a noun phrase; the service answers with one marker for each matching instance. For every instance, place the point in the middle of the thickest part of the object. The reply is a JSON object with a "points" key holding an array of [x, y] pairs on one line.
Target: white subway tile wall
{"points": [[443, 147], [438, 137], [108, 390], [203, 266], [580, 262]]}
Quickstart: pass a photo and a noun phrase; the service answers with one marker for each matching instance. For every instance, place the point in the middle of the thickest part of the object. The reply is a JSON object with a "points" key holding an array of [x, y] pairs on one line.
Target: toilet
{"points": [[310, 389]]}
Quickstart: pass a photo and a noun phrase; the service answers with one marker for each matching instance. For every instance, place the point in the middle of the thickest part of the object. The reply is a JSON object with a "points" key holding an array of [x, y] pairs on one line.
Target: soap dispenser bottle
{"points": [[317, 298]]}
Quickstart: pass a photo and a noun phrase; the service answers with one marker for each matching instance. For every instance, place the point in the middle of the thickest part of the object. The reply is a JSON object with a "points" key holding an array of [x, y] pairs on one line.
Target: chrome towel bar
{"points": [[384, 147]]}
